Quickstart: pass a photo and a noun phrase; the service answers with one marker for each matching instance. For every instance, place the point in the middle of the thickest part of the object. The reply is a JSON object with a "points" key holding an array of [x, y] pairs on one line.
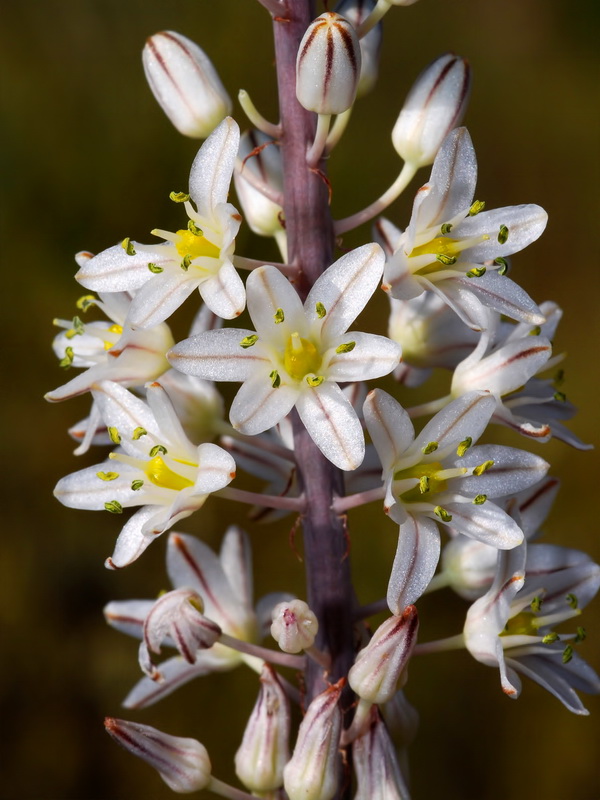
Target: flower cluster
{"points": [[303, 419]]}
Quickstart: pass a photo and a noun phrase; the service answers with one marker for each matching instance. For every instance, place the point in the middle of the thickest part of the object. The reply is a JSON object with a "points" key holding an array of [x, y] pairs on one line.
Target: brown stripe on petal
{"points": [[348, 44], [329, 58], [317, 27]]}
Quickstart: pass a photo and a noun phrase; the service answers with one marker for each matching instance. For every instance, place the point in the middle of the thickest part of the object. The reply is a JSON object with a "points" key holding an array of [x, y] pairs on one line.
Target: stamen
{"points": [[114, 507]]}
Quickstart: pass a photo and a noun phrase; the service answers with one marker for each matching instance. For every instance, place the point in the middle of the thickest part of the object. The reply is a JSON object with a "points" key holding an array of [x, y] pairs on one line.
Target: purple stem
{"points": [[309, 229]]}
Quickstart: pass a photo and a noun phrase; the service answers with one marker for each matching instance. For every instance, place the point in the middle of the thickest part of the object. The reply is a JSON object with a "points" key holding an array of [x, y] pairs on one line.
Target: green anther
{"points": [[503, 234], [581, 635], [71, 333], [154, 268], [550, 637], [138, 433], [535, 331], [158, 448], [447, 261], [503, 268], [114, 435], [278, 316], [476, 272], [179, 197], [78, 326], [559, 378], [314, 380], [107, 476], [85, 302], [185, 264], [431, 447], [321, 310], [567, 654], [572, 600], [464, 446], [193, 228], [446, 227], [536, 604], [114, 507], [248, 341], [442, 514], [67, 361], [477, 206], [560, 396], [481, 468], [128, 246], [479, 499], [275, 379], [346, 348], [137, 485], [424, 484]]}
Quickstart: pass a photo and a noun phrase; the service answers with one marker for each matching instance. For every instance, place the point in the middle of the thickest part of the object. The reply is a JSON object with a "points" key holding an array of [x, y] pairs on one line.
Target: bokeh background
{"points": [[88, 158]]}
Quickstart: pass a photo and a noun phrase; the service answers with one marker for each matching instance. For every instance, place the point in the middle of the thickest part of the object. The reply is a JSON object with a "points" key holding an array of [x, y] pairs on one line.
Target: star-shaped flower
{"points": [[298, 354], [455, 249], [512, 626], [439, 477], [198, 256], [158, 468]]}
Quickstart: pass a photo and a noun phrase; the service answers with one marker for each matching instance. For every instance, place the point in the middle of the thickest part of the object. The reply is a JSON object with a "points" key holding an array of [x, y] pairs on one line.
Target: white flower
{"points": [[511, 627], [439, 477], [158, 468], [298, 354], [224, 582], [185, 83], [198, 256], [453, 248]]}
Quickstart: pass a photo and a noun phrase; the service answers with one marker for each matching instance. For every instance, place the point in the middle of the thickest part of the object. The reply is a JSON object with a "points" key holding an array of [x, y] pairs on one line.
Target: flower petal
{"points": [[371, 357], [465, 417], [487, 523], [332, 424], [344, 289], [268, 290], [500, 293], [212, 169], [127, 616], [216, 469], [113, 270], [415, 562], [512, 471], [218, 356], [160, 297], [224, 292], [389, 427], [259, 406], [525, 224]]}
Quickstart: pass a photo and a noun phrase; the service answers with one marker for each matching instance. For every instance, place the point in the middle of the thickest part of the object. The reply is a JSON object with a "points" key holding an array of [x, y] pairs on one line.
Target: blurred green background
{"points": [[88, 158]]}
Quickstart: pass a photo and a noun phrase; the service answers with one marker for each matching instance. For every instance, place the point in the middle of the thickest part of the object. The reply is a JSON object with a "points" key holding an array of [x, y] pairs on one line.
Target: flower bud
{"points": [[263, 159], [183, 764], [185, 84], [294, 626], [380, 664], [356, 12], [434, 106], [378, 774], [469, 565], [328, 65], [265, 751], [313, 771]]}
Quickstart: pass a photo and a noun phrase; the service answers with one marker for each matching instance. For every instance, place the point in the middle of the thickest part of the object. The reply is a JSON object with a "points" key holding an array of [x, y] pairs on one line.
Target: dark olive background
{"points": [[88, 158]]}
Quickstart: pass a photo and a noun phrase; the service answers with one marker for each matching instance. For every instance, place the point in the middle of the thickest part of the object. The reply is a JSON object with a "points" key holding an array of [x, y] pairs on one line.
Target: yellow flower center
{"points": [[161, 475], [432, 484], [523, 624], [440, 246], [301, 357], [195, 245]]}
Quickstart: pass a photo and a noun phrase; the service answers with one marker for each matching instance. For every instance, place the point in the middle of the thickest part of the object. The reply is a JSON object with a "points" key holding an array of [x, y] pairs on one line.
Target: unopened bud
{"points": [[434, 106], [185, 84], [183, 764], [378, 774], [265, 751], [470, 566], [380, 664], [313, 771], [294, 626], [401, 720], [356, 12], [261, 157], [328, 65]]}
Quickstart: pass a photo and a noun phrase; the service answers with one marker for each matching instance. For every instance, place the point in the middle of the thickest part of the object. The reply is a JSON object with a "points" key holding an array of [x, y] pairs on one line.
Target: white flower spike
{"points": [[196, 257], [156, 467], [298, 354], [455, 249]]}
